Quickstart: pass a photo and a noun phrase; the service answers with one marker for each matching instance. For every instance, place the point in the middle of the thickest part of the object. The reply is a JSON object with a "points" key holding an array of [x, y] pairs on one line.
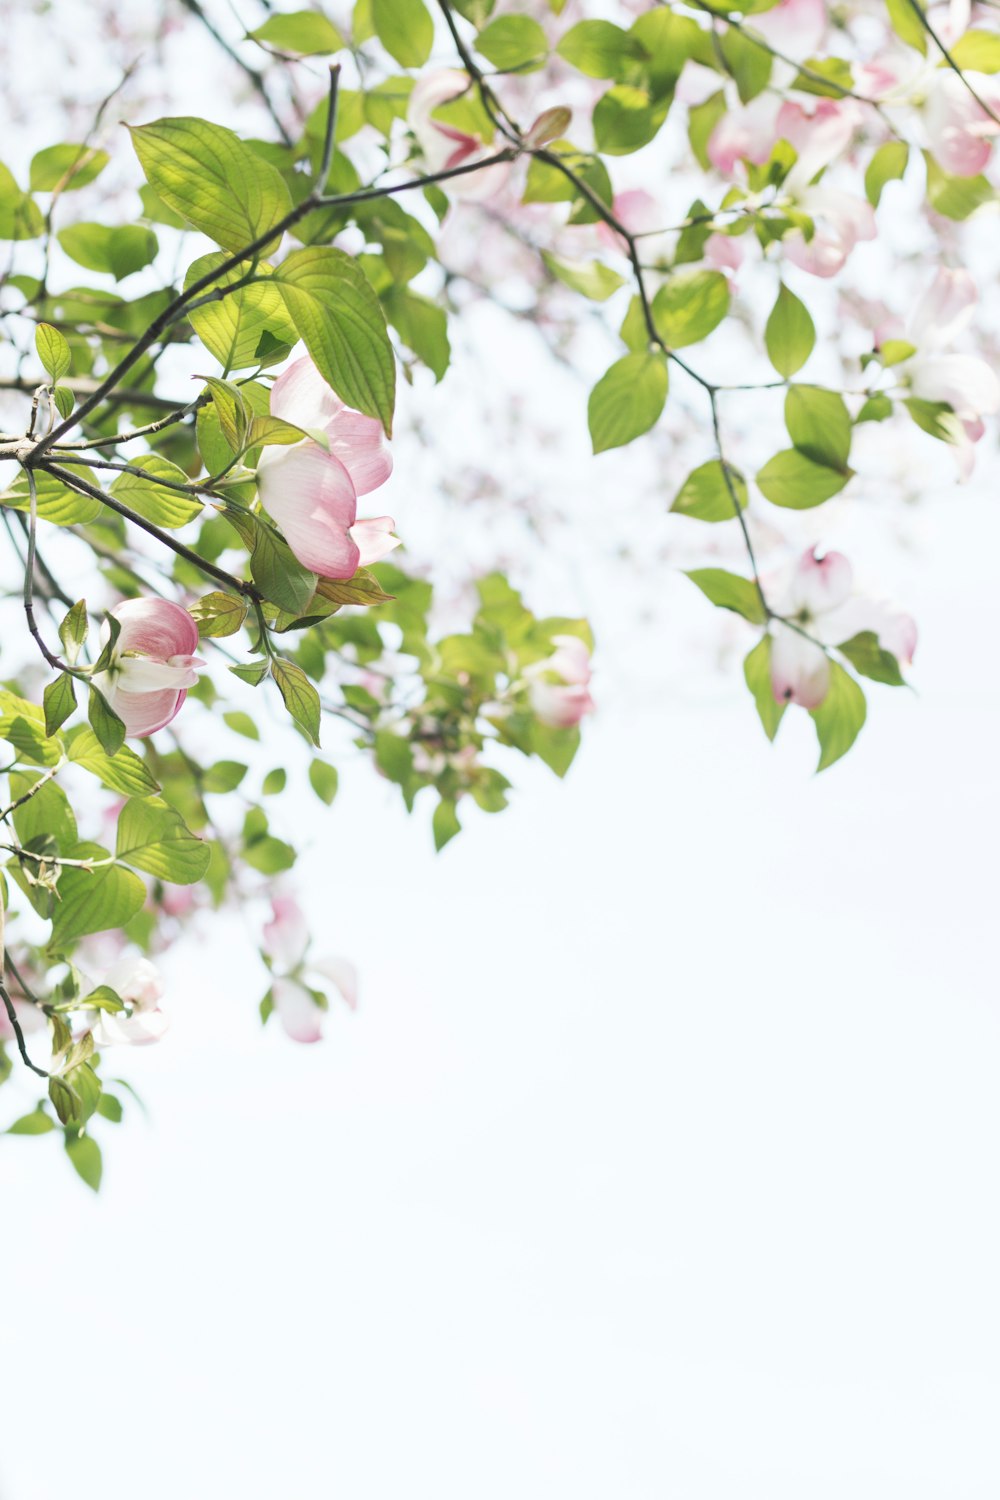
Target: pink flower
{"points": [[817, 599], [797, 27], [637, 211], [286, 936], [959, 130], [967, 384], [744, 133], [296, 1009], [138, 983], [443, 146], [839, 221], [152, 665], [558, 686], [312, 489], [724, 252]]}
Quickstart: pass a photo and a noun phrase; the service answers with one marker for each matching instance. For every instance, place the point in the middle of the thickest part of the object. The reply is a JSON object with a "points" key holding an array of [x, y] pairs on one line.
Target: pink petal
{"points": [[558, 705], [297, 1010], [286, 936], [374, 539], [144, 713], [359, 442], [156, 627], [310, 495], [945, 310], [797, 27], [800, 672], [820, 583], [745, 133], [342, 973], [301, 396], [570, 661]]}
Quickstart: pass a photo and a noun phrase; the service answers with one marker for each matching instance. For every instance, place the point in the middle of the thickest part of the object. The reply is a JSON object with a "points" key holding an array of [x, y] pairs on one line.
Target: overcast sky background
{"points": [[660, 1158]]}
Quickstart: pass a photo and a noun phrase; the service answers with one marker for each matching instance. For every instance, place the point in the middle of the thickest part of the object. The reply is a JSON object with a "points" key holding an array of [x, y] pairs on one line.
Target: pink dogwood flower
{"points": [[797, 27], [558, 688], [312, 488], [959, 131], [286, 939], [138, 983], [966, 383], [746, 132], [152, 665], [817, 597], [840, 219], [443, 146]]}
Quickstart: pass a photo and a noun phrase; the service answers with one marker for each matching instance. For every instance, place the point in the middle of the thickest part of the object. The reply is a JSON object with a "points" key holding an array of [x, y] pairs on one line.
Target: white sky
{"points": [[660, 1159]]}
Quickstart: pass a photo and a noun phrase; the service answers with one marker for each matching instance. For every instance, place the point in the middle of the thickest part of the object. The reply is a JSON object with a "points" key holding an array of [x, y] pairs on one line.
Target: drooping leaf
{"points": [[839, 718], [711, 493], [627, 400]]}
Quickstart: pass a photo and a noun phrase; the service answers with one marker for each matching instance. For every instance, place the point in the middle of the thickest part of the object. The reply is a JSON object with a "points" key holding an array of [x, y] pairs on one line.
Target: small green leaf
{"points": [[37, 1123], [907, 25], [107, 726], [65, 167], [730, 591], [116, 252], [600, 49], [956, 197], [839, 718], [819, 425], [224, 776], [324, 780], [589, 278], [757, 671], [627, 400], [53, 351], [445, 824], [405, 29], [887, 164], [85, 1154], [512, 42], [274, 782], [73, 631], [241, 723], [301, 33], [253, 672], [690, 305], [790, 333], [707, 494], [298, 694], [59, 700], [792, 480], [976, 50], [867, 656], [219, 614]]}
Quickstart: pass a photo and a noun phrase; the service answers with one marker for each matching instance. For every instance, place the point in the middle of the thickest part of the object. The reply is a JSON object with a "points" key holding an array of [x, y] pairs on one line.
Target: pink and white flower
{"points": [[840, 219], [960, 132], [443, 146], [312, 489], [968, 384], [152, 665], [138, 983], [558, 687], [817, 597], [797, 27], [286, 939]]}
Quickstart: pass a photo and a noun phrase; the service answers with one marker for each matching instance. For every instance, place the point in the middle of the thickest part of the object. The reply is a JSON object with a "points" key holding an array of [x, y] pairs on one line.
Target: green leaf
{"points": [[219, 614], [92, 901], [794, 481], [110, 1108], [512, 42], [690, 305], [887, 164], [153, 837], [907, 24], [224, 776], [59, 700], [65, 167], [20, 216], [589, 278], [894, 351], [241, 723], [976, 50], [47, 812], [231, 409], [274, 782], [706, 495], [422, 325], [405, 29], [839, 718], [556, 747], [819, 425], [165, 507], [626, 119], [125, 773], [214, 181], [115, 251], [298, 694], [56, 501], [790, 334], [956, 197], [876, 409], [37, 1123], [364, 588], [253, 672], [445, 824], [599, 48], [85, 1154], [73, 631], [232, 328], [627, 400], [324, 780], [302, 33], [107, 726], [757, 671], [730, 591], [278, 574], [748, 63], [341, 323], [53, 351], [22, 725], [867, 656]]}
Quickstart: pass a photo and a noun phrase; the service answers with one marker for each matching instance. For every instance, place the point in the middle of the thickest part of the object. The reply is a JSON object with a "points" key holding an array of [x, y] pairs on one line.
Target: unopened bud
{"points": [[550, 126]]}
